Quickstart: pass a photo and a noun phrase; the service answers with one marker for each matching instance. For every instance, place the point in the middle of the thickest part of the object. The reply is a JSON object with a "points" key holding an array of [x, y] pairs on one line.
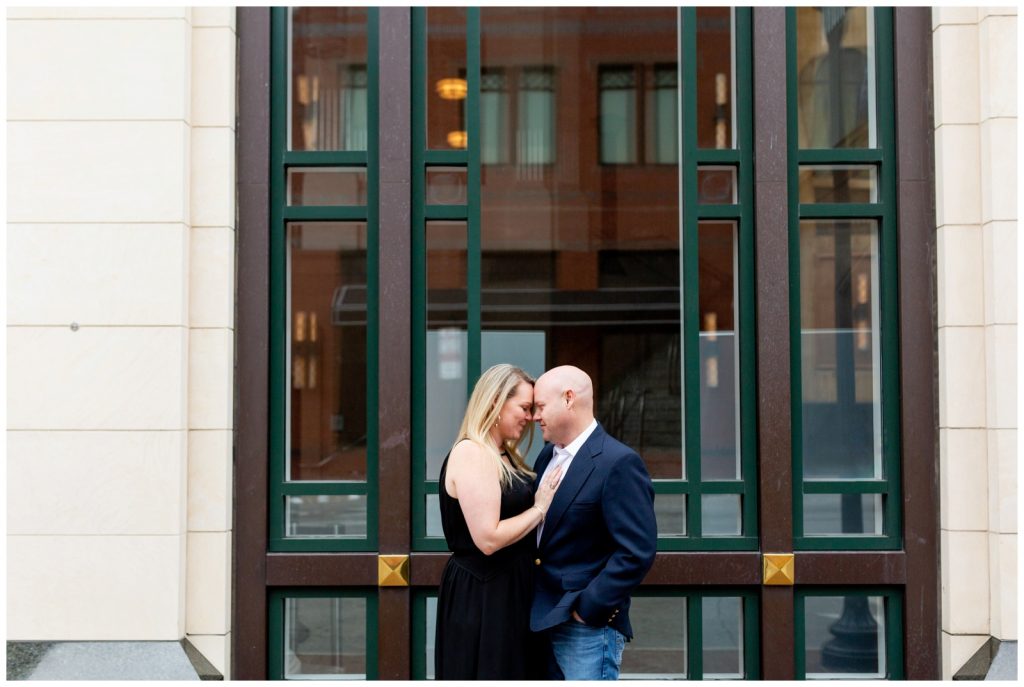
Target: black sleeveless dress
{"points": [[483, 606]]}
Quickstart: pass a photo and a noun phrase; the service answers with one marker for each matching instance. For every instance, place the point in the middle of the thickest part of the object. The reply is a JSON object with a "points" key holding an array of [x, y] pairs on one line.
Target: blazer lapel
{"points": [[579, 469]]}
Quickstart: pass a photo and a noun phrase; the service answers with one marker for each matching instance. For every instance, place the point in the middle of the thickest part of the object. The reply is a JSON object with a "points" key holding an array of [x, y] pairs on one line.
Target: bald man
{"points": [[598, 538]]}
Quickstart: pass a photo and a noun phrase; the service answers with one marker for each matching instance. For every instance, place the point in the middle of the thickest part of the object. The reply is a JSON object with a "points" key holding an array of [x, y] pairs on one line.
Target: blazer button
{"points": [[537, 562]]}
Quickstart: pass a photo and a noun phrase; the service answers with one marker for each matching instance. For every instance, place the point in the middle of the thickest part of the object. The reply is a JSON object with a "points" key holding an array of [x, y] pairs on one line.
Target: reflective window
{"points": [[446, 78], [838, 184], [839, 344], [659, 649], [325, 516], [325, 638], [618, 115], [328, 79], [722, 637], [836, 77], [716, 102], [326, 186], [327, 349], [844, 637]]}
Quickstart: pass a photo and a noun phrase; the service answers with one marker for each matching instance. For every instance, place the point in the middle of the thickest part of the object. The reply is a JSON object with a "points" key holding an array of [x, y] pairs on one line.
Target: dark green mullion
{"points": [[719, 212], [894, 634], [746, 298], [442, 157], [751, 637], [473, 199], [846, 487], [719, 156], [838, 156], [419, 634], [278, 326], [792, 172], [663, 486], [419, 282], [316, 488], [736, 487], [842, 210], [690, 320], [327, 213], [446, 212], [372, 281], [889, 278], [799, 635], [849, 542], [331, 158], [695, 629]]}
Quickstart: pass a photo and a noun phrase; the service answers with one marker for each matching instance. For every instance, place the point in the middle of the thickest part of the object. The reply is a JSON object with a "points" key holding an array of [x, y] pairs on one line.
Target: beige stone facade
{"points": [[120, 323], [975, 61]]}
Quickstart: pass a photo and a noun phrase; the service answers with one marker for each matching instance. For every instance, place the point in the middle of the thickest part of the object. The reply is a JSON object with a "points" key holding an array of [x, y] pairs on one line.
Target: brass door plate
{"points": [[393, 571], [779, 569]]}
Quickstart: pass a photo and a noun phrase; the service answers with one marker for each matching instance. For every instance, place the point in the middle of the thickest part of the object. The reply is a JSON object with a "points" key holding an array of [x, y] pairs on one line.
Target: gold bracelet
{"points": [[542, 513]]}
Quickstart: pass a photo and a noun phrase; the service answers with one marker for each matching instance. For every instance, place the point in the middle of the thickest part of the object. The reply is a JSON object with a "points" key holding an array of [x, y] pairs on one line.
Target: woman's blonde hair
{"points": [[492, 390]]}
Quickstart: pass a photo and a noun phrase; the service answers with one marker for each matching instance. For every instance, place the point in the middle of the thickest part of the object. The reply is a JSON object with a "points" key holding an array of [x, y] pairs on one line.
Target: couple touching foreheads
{"points": [[543, 561]]}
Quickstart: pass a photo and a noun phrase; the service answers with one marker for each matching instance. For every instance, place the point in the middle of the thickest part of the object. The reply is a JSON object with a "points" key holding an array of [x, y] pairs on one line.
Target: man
{"points": [[598, 538]]}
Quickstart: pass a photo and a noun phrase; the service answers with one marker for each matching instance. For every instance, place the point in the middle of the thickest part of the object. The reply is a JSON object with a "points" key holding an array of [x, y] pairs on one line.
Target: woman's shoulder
{"points": [[467, 451]]}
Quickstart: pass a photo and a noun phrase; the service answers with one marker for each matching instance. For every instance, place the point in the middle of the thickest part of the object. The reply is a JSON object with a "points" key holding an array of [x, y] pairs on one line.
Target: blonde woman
{"points": [[488, 509]]}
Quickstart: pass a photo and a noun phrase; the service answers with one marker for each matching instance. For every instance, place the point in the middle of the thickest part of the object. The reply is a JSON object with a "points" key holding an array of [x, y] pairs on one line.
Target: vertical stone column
{"points": [[997, 115], [211, 333], [975, 139], [98, 126]]}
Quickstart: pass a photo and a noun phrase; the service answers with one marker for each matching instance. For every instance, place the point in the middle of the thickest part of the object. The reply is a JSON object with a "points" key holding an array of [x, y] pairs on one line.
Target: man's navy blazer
{"points": [[599, 536]]}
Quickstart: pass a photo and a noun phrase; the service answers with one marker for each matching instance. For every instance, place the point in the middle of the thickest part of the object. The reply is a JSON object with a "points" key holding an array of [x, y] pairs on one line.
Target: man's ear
{"points": [[570, 398]]}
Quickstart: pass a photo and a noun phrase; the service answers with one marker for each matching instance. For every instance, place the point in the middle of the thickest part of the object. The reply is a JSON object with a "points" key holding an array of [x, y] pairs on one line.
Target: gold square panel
{"points": [[779, 569], [393, 571]]}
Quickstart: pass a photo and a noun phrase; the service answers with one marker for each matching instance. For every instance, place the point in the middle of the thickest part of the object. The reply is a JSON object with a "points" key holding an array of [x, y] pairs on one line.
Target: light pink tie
{"points": [[561, 455]]}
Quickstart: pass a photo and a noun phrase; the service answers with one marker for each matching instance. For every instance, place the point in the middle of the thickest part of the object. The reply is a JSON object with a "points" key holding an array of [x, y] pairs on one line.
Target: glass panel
{"points": [[663, 115], [583, 254], [838, 184], [326, 186], [446, 77], [658, 648], [431, 634], [719, 352], [328, 80], [325, 516], [535, 133], [722, 637], [326, 434], [670, 511], [835, 55], [446, 185], [434, 528], [839, 344], [325, 638], [844, 636], [446, 339], [720, 515], [716, 185], [618, 115], [494, 117], [842, 514], [716, 102]]}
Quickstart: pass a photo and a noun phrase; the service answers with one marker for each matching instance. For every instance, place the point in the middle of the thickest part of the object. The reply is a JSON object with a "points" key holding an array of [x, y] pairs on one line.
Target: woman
{"points": [[487, 511]]}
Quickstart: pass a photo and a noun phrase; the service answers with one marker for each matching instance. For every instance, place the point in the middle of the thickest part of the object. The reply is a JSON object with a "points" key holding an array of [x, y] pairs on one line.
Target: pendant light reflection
{"points": [[457, 139], [451, 88]]}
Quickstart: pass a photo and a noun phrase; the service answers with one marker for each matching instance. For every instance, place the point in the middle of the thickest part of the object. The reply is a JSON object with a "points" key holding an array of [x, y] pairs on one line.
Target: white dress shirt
{"points": [[563, 457]]}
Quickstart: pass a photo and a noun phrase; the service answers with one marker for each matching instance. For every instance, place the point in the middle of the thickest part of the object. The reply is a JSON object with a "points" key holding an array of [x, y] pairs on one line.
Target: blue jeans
{"points": [[583, 652]]}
